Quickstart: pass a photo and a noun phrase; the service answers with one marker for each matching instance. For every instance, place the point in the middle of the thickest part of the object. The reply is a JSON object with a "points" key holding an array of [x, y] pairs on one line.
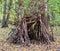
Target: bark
{"points": [[45, 18], [4, 15], [8, 15], [5, 19]]}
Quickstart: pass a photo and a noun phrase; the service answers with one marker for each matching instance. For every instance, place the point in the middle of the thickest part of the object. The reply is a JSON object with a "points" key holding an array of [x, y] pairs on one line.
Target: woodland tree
{"points": [[5, 15]]}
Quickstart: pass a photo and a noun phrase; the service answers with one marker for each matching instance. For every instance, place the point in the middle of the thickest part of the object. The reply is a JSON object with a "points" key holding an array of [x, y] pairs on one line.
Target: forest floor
{"points": [[5, 46]]}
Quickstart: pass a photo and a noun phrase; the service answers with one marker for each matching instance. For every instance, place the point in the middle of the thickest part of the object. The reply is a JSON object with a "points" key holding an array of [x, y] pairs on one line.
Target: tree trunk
{"points": [[6, 19], [4, 15], [8, 15]]}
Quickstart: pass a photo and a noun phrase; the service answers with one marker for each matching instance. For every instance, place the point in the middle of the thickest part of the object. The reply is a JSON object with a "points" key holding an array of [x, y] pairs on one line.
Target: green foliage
{"points": [[53, 6], [54, 10]]}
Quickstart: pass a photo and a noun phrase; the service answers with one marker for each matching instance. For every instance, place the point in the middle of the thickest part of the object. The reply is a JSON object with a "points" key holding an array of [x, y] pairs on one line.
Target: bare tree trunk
{"points": [[6, 19], [8, 15], [4, 15]]}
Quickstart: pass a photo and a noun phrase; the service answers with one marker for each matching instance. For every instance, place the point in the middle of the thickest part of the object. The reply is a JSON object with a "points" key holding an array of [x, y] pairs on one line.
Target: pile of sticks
{"points": [[30, 28]]}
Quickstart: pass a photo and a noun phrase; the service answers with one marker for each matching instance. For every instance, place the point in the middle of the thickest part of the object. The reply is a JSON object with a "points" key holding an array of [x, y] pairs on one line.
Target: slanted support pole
{"points": [[26, 37]]}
